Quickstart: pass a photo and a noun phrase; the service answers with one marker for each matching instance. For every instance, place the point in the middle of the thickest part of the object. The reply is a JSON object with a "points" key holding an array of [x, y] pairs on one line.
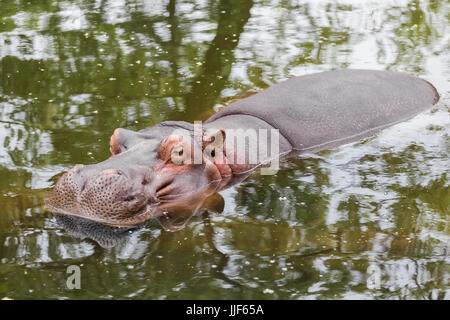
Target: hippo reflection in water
{"points": [[172, 169]]}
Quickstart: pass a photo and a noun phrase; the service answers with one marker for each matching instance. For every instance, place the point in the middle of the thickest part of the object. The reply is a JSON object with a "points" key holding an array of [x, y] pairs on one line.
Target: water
{"points": [[72, 71]]}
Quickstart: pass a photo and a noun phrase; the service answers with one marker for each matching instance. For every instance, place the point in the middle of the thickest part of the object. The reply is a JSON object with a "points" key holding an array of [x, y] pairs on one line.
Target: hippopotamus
{"points": [[175, 165]]}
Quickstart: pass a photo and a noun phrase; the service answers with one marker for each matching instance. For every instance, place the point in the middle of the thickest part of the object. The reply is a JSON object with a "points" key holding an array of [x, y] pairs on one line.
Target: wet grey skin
{"points": [[312, 113]]}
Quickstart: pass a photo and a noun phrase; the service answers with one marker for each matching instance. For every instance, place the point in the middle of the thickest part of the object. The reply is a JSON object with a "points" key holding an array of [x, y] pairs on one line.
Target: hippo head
{"points": [[167, 166]]}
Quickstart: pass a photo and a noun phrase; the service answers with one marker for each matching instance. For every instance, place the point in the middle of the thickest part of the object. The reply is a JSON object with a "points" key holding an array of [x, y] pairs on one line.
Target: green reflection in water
{"points": [[72, 71]]}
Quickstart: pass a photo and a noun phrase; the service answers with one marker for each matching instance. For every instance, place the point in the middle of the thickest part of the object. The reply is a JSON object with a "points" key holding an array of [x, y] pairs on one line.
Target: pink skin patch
{"points": [[114, 145], [109, 172]]}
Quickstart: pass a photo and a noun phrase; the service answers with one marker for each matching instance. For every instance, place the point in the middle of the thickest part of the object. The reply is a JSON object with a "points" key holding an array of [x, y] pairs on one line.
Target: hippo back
{"points": [[322, 110]]}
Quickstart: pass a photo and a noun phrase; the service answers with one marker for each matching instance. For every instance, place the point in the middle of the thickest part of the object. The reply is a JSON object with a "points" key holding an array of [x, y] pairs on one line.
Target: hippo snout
{"points": [[111, 190], [107, 194]]}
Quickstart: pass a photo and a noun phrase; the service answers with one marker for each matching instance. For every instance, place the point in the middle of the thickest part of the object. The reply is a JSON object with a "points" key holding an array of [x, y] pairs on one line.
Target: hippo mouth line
{"points": [[141, 216]]}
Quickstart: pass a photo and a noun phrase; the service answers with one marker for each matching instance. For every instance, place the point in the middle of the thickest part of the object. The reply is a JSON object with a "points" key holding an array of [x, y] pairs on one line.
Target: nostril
{"points": [[79, 180], [83, 186], [129, 198]]}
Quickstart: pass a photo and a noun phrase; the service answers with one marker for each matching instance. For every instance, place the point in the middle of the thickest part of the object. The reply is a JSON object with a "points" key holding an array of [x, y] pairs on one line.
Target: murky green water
{"points": [[72, 71]]}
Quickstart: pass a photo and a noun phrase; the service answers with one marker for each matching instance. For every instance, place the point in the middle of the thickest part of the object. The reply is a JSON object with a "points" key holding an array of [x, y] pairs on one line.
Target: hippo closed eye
{"points": [[176, 165]]}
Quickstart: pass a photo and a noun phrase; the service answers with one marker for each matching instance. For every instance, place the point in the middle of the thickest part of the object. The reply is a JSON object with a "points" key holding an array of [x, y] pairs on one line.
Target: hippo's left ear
{"points": [[214, 137]]}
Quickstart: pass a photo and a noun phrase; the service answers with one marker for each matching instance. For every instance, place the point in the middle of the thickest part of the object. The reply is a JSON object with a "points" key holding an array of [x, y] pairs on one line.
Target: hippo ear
{"points": [[214, 137], [123, 139], [213, 142]]}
